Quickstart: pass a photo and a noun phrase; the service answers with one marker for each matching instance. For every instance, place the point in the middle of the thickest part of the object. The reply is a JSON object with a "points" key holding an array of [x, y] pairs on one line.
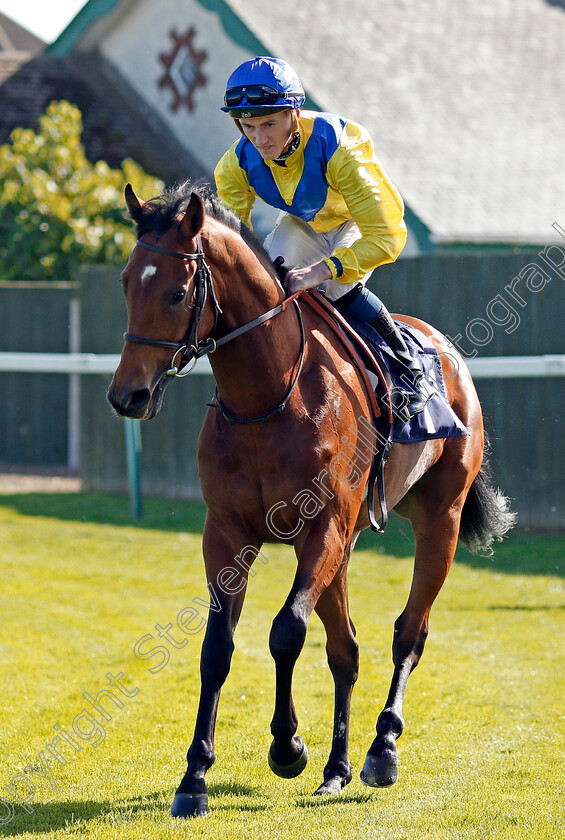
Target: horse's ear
{"points": [[193, 220], [134, 205]]}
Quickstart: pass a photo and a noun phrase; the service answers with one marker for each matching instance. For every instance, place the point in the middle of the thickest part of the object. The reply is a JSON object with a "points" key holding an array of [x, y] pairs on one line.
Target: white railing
{"points": [[71, 363], [500, 367], [517, 367], [497, 367], [74, 364]]}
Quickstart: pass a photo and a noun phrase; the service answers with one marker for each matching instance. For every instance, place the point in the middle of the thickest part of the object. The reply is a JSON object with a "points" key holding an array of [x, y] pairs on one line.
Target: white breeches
{"points": [[301, 246]]}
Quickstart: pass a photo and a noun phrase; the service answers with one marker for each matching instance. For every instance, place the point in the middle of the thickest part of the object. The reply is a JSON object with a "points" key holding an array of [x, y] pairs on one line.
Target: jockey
{"points": [[341, 216]]}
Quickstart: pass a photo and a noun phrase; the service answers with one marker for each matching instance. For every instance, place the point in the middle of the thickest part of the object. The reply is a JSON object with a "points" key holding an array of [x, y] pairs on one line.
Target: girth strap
{"points": [[376, 475]]}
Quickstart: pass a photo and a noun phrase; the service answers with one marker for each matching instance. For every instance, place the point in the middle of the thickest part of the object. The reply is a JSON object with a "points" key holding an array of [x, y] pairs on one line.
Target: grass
{"points": [[481, 755]]}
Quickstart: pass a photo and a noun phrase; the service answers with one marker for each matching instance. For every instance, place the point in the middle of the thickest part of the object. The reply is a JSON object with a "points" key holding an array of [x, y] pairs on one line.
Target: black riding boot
{"points": [[419, 391]]}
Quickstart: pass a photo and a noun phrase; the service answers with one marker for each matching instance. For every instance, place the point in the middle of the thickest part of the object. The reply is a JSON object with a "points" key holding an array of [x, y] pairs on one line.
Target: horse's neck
{"points": [[248, 290], [253, 370]]}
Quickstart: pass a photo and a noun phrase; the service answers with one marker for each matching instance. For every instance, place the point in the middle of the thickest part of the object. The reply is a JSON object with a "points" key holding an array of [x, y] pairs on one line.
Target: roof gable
{"points": [[17, 46], [464, 101], [14, 38], [115, 120]]}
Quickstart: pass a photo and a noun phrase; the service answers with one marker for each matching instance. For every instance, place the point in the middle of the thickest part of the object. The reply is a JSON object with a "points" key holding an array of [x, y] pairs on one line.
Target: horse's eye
{"points": [[178, 297]]}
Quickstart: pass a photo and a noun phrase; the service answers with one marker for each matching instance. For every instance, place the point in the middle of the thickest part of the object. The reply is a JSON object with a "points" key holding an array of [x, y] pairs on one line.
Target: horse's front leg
{"points": [[191, 798], [288, 754], [319, 557]]}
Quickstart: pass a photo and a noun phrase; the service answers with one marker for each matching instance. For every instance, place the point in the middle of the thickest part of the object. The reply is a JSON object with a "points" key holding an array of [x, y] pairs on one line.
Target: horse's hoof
{"points": [[331, 787], [289, 771], [190, 805], [380, 772]]}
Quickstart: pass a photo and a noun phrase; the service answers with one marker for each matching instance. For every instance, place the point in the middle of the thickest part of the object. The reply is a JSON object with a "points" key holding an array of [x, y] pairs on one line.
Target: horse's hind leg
{"points": [[343, 660], [436, 541]]}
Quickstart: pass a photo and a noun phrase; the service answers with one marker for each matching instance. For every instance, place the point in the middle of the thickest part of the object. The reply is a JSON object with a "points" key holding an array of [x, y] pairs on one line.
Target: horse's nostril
{"points": [[129, 404], [139, 398]]}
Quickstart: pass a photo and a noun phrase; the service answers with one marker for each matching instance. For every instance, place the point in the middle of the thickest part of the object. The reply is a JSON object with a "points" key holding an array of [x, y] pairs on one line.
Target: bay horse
{"points": [[282, 457]]}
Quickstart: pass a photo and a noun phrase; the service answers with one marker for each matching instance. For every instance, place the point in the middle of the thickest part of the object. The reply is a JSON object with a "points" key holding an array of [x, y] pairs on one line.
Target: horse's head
{"points": [[166, 284]]}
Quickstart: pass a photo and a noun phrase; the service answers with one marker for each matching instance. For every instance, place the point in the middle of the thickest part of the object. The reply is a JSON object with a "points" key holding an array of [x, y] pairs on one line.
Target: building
{"points": [[17, 47], [464, 101], [465, 104]]}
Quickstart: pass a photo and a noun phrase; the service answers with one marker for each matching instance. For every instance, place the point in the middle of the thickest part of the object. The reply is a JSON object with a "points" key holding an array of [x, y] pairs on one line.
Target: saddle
{"points": [[382, 376]]}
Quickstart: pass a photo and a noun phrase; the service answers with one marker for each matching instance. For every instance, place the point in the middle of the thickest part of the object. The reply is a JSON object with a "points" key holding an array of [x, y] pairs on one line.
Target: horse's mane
{"points": [[161, 212]]}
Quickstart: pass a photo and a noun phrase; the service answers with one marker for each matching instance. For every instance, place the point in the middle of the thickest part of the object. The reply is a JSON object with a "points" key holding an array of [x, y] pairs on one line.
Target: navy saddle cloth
{"points": [[437, 420]]}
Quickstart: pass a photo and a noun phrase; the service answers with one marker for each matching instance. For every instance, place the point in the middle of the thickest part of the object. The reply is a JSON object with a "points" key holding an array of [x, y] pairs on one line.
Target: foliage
{"points": [[485, 730], [57, 209]]}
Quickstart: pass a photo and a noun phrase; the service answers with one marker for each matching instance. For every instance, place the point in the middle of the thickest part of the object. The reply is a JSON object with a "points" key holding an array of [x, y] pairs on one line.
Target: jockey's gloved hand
{"points": [[281, 270]]}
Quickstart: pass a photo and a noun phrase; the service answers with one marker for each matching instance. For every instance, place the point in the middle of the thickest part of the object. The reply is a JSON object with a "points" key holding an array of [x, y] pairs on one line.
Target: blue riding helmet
{"points": [[262, 86]]}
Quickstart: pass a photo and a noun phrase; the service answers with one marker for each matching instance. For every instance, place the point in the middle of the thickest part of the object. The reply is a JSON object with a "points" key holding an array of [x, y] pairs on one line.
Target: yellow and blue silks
{"points": [[331, 178]]}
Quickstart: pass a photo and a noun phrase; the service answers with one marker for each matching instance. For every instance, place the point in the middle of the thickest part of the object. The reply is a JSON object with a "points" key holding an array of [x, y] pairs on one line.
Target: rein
{"points": [[192, 349], [217, 403]]}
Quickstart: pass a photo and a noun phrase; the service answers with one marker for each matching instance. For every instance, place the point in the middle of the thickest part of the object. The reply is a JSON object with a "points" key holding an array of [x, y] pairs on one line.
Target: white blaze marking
{"points": [[148, 272]]}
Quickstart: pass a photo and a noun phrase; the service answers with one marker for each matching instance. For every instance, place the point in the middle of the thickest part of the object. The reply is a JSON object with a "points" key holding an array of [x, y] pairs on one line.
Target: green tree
{"points": [[57, 209]]}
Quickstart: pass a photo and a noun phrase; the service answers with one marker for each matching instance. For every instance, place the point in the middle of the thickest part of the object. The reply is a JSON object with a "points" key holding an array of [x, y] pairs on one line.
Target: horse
{"points": [[283, 457]]}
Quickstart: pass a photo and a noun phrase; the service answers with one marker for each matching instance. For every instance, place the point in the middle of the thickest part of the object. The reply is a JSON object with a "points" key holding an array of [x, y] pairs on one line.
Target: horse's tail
{"points": [[486, 515]]}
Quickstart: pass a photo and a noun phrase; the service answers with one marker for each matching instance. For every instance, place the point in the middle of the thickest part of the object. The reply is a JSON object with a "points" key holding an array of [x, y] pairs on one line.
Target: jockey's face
{"points": [[270, 135]]}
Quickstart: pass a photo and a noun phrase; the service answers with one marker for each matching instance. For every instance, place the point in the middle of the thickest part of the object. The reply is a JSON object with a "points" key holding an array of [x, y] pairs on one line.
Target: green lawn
{"points": [[481, 756]]}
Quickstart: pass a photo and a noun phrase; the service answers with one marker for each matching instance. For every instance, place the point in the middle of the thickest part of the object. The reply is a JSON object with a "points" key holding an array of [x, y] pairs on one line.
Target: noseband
{"points": [[191, 349]]}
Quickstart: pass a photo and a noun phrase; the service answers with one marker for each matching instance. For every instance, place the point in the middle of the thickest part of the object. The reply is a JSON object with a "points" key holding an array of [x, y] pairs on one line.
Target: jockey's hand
{"points": [[298, 279]]}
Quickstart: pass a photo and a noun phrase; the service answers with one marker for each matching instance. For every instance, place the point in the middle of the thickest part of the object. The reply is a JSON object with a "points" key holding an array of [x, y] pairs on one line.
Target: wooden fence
{"points": [[493, 305], [34, 420]]}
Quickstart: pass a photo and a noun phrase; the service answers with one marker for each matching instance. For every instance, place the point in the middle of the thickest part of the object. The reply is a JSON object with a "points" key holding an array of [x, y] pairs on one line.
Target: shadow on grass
{"points": [[521, 553], [170, 515], [333, 799], [108, 509], [236, 794], [232, 789], [516, 608], [53, 816], [525, 553]]}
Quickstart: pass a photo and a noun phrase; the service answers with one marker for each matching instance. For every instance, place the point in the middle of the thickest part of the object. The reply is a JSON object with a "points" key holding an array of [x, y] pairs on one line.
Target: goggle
{"points": [[255, 95]]}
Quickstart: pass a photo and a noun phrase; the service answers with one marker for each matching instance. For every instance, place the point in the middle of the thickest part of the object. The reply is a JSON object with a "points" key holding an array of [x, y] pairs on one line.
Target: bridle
{"points": [[191, 348]]}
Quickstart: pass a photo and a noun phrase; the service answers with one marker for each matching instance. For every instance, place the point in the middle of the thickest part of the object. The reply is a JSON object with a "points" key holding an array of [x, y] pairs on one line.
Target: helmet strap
{"points": [[290, 149], [293, 143], [295, 123], [239, 128]]}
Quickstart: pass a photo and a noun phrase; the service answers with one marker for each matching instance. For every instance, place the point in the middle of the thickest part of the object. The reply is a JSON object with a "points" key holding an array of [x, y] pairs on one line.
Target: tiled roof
{"points": [[465, 100], [116, 122], [17, 46], [15, 38]]}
